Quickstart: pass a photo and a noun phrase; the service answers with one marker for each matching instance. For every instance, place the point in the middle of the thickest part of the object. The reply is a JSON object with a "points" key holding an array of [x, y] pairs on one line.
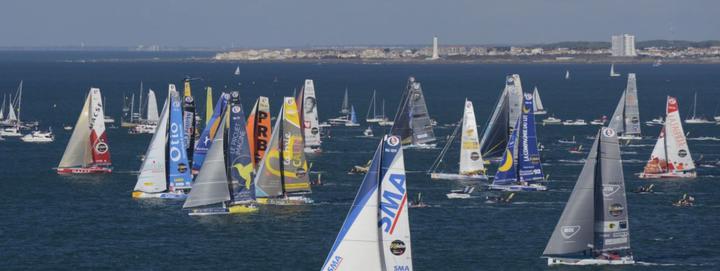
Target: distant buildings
{"points": [[623, 45], [435, 54]]}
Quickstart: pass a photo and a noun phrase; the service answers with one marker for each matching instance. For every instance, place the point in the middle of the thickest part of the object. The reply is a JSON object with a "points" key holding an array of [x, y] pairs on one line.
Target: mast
{"points": [[132, 107], [19, 100], [140, 104], [371, 106], [281, 150]]}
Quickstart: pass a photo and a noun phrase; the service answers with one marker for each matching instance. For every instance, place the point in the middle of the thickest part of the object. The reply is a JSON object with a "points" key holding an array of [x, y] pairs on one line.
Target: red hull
{"points": [[87, 170]]}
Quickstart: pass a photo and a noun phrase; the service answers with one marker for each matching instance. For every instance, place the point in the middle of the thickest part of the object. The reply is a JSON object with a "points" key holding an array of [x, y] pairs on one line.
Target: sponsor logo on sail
{"points": [[182, 167], [393, 141], [474, 156], [397, 247], [616, 209], [392, 202], [101, 147], [188, 99], [682, 153], [236, 109], [335, 263], [235, 94], [568, 232], [610, 189], [608, 132], [314, 131]]}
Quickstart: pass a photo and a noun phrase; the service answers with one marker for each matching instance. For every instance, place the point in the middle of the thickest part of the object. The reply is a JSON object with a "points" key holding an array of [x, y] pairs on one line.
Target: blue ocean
{"points": [[91, 222]]}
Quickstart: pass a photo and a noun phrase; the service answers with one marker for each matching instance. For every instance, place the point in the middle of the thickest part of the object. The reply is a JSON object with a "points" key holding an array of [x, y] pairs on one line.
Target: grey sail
{"points": [[611, 216], [632, 110], [268, 181], [345, 108], [422, 130], [617, 121], [574, 231], [507, 110], [211, 183], [401, 124], [77, 152]]}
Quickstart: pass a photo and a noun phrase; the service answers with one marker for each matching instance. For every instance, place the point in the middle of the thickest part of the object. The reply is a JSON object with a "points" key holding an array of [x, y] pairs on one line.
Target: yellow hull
{"points": [[242, 209]]}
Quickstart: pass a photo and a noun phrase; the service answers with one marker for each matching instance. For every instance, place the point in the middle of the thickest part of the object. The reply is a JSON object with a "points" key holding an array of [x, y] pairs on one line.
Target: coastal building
{"points": [[623, 45]]}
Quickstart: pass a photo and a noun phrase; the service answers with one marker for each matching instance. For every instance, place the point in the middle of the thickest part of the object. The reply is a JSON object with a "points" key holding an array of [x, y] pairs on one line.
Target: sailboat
{"points": [[375, 118], [205, 140], [521, 168], [471, 163], [149, 124], [282, 176], [612, 71], [208, 104], [353, 122], [385, 121], [237, 71], [225, 184], [309, 117], [626, 118], [539, 108], [165, 170], [14, 109], [695, 119], [259, 129], [376, 231], [567, 75], [412, 120], [88, 150], [671, 156], [2, 109], [344, 112], [507, 111], [593, 228]]}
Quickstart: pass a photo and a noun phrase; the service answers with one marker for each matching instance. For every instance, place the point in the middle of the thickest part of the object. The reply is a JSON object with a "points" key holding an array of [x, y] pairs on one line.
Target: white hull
{"points": [[376, 120], [716, 118], [543, 112], [163, 195], [386, 123], [518, 188], [457, 196], [453, 176], [11, 133], [350, 124], [570, 261], [629, 137], [315, 149], [36, 139], [291, 200], [420, 146], [698, 121], [669, 175]]}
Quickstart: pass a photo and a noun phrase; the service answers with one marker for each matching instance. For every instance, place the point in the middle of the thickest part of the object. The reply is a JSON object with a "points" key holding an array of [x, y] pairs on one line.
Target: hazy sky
{"points": [[253, 23]]}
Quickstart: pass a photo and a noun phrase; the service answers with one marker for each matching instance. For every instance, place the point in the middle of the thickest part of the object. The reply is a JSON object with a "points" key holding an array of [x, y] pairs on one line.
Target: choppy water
{"points": [[91, 222]]}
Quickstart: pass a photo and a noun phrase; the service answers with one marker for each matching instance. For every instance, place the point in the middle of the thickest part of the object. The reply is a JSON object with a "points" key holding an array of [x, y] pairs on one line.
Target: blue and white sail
{"points": [[507, 172], [528, 156], [205, 141], [242, 187], [353, 115], [179, 175], [380, 202]]}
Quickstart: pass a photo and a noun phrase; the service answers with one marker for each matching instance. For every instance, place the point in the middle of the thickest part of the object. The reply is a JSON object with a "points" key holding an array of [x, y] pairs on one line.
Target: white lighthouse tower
{"points": [[435, 48]]}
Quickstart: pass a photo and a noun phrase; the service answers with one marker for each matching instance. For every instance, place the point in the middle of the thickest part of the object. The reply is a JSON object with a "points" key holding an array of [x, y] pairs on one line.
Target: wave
{"points": [[705, 138], [581, 161], [638, 145]]}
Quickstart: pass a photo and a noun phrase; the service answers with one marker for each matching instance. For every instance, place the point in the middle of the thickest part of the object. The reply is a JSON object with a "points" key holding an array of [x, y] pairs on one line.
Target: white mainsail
{"points": [[11, 111], [671, 156], [539, 108], [2, 109], [153, 173], [471, 161], [152, 110]]}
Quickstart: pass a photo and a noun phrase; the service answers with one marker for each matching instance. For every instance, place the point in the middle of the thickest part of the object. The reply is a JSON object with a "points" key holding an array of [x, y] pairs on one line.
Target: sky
{"points": [[302, 23]]}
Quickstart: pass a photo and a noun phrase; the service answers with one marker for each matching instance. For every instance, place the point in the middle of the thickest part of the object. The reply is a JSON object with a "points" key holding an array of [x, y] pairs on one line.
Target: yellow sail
{"points": [[208, 105], [187, 92]]}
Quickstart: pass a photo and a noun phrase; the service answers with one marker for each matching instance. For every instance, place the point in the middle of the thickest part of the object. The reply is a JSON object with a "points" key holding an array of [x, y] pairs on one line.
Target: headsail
{"points": [[507, 170], [626, 118], [345, 107], [471, 161], [208, 104], [617, 122], [205, 139], [98, 137], [502, 121], [153, 172], [78, 153], [211, 184], [353, 115], [539, 109]]}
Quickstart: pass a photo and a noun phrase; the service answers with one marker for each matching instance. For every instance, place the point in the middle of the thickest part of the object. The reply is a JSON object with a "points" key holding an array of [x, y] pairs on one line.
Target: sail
{"points": [[574, 231], [78, 153], [208, 105], [678, 153], [239, 159], [394, 223], [611, 214], [371, 108], [311, 128], [152, 110], [507, 171], [345, 107], [422, 130], [2, 109], [98, 137], [658, 162], [153, 172], [204, 141], [401, 124], [617, 122], [237, 70], [189, 119], [357, 244], [537, 102], [259, 129], [11, 111], [353, 115], [294, 168], [501, 122], [179, 174], [528, 156], [632, 111], [471, 161], [268, 179], [211, 183]]}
